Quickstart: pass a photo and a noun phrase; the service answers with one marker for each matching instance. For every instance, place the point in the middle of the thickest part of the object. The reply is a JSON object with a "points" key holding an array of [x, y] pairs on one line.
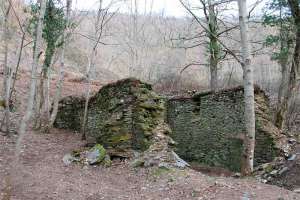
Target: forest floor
{"points": [[42, 175]]}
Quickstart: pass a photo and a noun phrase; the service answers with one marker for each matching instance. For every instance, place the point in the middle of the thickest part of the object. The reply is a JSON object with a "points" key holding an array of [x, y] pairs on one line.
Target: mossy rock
{"points": [[96, 154]]}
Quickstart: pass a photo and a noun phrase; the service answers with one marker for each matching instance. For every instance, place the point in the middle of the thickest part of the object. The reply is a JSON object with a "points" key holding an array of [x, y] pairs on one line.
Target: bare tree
{"points": [[35, 64], [249, 141], [215, 28], [61, 69], [7, 69]]}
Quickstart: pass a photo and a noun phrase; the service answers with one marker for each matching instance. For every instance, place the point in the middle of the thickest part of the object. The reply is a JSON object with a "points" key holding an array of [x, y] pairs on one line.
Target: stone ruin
{"points": [[130, 120], [209, 128]]}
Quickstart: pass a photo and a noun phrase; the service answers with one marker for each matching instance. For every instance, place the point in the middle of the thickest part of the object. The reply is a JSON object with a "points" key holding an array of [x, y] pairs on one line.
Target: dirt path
{"points": [[42, 175]]}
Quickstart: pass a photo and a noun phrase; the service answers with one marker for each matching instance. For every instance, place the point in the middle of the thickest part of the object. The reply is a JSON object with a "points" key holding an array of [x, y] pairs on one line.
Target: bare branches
{"points": [[193, 64], [208, 31]]}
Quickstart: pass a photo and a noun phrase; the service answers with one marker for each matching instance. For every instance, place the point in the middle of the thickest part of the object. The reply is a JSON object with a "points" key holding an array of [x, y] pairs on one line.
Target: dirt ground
{"points": [[41, 174]]}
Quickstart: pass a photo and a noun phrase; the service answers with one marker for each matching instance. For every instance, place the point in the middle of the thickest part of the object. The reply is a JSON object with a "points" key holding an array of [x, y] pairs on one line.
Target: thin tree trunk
{"points": [[61, 70], [7, 72], [282, 95], [249, 140], [213, 47], [99, 26], [15, 73], [88, 91], [32, 90], [213, 74], [40, 99]]}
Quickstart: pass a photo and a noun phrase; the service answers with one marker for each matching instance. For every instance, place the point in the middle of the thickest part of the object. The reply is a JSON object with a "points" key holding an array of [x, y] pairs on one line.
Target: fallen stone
{"points": [[96, 155], [69, 158], [292, 141], [179, 162], [297, 190], [292, 157], [274, 172], [283, 170]]}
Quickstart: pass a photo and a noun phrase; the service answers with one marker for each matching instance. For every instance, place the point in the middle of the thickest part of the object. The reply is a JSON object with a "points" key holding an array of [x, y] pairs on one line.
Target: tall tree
{"points": [[35, 64], [210, 35], [62, 67], [278, 15], [249, 141], [7, 68], [285, 15], [294, 78], [54, 25]]}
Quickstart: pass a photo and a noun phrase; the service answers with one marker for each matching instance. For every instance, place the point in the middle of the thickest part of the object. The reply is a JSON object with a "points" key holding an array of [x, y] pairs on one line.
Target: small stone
{"points": [[179, 162], [264, 181], [68, 159], [292, 141], [297, 190], [292, 157], [283, 170], [245, 196], [274, 172], [85, 167]]}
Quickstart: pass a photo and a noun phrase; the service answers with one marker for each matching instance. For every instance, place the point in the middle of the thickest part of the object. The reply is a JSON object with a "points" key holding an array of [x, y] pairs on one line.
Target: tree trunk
{"points": [[214, 50], [32, 90], [282, 95], [249, 141], [99, 27], [294, 76], [15, 73], [61, 69], [88, 91], [7, 71]]}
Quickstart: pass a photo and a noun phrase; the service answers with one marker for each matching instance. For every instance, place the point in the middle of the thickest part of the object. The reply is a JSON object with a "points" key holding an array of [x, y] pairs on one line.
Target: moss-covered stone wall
{"points": [[70, 113], [121, 116], [209, 128]]}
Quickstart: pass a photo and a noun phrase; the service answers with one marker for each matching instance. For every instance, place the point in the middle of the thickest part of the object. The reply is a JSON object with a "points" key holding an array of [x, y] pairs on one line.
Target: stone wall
{"points": [[127, 117], [209, 128], [121, 116]]}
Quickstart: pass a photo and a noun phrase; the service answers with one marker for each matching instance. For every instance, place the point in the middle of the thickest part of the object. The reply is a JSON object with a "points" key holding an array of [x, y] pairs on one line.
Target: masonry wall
{"points": [[209, 128]]}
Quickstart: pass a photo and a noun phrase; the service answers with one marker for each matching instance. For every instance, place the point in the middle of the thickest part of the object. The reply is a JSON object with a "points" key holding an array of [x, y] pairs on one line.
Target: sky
{"points": [[170, 7]]}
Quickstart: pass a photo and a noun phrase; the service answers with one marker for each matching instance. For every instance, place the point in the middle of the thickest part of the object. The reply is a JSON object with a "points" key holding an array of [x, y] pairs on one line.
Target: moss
{"points": [[107, 161], [76, 153], [2, 103], [102, 152], [151, 106], [114, 139]]}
